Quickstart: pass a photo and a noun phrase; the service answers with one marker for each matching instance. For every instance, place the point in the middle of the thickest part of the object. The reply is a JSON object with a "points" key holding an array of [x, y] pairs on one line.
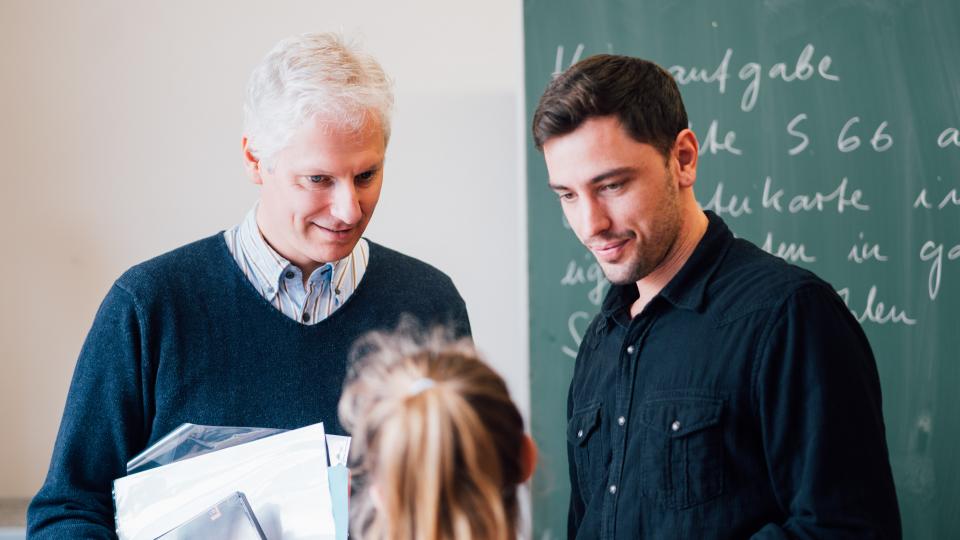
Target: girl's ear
{"points": [[528, 457]]}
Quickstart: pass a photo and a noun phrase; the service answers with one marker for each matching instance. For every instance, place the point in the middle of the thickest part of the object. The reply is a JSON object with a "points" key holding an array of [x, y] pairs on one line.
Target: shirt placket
{"points": [[315, 295], [295, 291], [317, 288], [627, 369]]}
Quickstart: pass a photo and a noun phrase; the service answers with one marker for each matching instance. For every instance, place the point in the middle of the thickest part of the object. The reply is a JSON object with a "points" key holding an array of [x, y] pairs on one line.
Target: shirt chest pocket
{"points": [[682, 450], [587, 448]]}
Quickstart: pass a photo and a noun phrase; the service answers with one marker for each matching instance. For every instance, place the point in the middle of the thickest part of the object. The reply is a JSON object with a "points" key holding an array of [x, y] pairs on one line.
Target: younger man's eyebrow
{"points": [[619, 171]]}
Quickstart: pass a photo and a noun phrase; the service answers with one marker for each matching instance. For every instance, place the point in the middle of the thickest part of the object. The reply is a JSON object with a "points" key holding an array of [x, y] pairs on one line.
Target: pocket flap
{"points": [[582, 424], [677, 417]]}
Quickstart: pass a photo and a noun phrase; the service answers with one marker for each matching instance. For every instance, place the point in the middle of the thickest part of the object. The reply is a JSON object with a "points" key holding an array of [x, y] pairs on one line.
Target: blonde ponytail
{"points": [[443, 458]]}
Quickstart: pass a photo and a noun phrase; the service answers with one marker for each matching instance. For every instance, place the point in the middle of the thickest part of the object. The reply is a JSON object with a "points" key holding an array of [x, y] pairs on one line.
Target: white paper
{"points": [[338, 448], [284, 477]]}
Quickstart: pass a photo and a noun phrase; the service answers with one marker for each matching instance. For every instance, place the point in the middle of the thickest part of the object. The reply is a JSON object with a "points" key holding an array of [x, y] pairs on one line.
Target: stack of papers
{"points": [[276, 487]]}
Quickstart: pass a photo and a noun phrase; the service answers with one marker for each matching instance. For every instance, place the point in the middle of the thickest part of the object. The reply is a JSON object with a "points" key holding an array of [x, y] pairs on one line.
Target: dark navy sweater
{"points": [[185, 337]]}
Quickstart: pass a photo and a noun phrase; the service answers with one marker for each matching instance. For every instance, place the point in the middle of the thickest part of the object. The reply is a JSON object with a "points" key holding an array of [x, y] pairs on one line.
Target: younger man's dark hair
{"points": [[640, 93]]}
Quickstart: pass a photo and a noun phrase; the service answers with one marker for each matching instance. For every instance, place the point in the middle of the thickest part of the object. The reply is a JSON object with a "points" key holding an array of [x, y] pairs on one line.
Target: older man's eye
{"points": [[366, 177], [316, 181]]}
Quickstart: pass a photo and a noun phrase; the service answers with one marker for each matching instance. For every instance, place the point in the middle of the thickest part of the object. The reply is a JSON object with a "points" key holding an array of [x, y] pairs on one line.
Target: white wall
{"points": [[121, 139]]}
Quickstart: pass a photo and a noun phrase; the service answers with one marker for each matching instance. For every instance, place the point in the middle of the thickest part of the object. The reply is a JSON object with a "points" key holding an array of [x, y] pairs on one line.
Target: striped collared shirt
{"points": [[281, 283]]}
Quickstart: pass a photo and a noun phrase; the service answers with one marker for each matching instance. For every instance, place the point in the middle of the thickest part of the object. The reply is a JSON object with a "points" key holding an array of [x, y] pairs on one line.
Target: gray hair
{"points": [[313, 75]]}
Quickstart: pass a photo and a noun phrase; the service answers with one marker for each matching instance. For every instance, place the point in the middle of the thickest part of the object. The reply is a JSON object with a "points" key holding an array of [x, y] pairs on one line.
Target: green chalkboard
{"points": [[829, 136]]}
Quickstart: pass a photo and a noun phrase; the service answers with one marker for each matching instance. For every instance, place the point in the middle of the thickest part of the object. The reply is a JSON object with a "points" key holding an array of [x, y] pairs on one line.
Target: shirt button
{"points": [[630, 349], [269, 290], [306, 317], [621, 420], [289, 275], [580, 434], [675, 426], [613, 490]]}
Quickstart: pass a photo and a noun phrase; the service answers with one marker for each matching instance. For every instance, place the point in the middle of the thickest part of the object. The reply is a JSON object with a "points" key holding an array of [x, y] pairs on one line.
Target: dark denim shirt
{"points": [[742, 402]]}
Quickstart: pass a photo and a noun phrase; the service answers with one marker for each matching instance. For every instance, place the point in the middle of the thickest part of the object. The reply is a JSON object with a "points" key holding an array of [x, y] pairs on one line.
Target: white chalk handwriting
{"points": [[752, 73], [792, 130], [932, 251], [711, 142], [559, 67], [881, 142], [734, 206], [790, 252], [949, 136], [573, 322], [591, 275], [875, 311], [815, 202], [952, 198], [865, 251]]}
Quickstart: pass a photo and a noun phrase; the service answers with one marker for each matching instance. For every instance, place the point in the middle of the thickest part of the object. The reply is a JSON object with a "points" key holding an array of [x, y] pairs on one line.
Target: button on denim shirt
{"points": [[742, 402]]}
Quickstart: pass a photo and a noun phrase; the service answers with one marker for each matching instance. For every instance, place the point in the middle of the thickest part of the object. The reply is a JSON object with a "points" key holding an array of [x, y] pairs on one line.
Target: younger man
{"points": [[720, 392]]}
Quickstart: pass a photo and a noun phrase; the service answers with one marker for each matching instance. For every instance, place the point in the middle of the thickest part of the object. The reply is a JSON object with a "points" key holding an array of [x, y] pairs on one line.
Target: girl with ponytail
{"points": [[438, 446]]}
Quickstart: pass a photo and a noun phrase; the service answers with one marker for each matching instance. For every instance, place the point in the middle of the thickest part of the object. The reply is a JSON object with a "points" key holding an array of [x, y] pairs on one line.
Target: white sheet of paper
{"points": [[284, 477], [338, 446]]}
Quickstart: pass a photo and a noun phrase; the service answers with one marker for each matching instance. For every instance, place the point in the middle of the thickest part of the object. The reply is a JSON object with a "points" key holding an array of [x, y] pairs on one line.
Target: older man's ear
{"points": [[250, 162]]}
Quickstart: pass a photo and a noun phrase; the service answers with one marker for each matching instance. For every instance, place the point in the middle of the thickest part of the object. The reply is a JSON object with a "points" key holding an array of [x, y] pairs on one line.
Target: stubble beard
{"points": [[647, 256]]}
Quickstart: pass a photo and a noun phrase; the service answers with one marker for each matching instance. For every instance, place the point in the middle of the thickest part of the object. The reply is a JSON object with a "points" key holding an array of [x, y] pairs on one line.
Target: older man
{"points": [[720, 392], [252, 326]]}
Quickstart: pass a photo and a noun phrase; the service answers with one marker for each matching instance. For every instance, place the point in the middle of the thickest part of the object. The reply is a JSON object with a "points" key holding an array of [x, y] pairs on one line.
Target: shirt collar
{"points": [[687, 289], [270, 265]]}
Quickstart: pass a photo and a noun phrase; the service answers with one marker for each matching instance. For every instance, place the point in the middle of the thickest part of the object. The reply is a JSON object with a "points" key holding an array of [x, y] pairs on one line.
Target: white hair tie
{"points": [[420, 385]]}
